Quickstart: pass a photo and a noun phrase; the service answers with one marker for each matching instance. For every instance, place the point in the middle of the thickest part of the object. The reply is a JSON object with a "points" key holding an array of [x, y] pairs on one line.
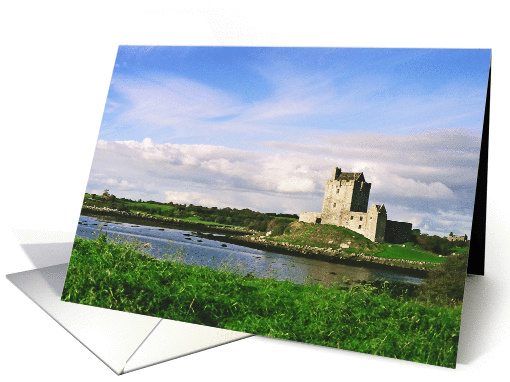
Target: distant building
{"points": [[453, 237], [345, 205]]}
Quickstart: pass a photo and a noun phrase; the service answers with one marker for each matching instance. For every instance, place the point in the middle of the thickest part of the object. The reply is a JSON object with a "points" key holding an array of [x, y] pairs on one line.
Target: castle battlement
{"points": [[346, 205]]}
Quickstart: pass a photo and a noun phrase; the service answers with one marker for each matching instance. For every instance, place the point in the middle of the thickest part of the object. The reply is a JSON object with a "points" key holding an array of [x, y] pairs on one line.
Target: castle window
{"points": [[334, 204], [337, 190], [359, 227], [352, 217], [361, 218]]}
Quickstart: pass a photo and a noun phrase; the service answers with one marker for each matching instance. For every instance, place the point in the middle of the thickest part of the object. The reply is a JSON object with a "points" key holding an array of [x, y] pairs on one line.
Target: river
{"points": [[239, 259]]}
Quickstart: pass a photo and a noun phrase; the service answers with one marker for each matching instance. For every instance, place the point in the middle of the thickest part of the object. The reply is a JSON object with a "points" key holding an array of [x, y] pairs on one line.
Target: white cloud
{"points": [[119, 184], [165, 101], [291, 177], [393, 185], [295, 184], [172, 107], [210, 166], [195, 198], [447, 156]]}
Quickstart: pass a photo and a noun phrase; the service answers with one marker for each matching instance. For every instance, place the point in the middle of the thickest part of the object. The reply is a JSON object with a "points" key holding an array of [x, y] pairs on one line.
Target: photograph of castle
{"points": [[210, 160]]}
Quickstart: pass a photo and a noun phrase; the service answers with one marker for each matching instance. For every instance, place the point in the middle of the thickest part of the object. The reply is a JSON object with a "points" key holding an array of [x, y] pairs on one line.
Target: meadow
{"points": [[365, 317]]}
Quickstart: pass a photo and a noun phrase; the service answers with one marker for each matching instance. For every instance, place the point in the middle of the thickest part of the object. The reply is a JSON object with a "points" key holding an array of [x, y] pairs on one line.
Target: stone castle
{"points": [[345, 205]]}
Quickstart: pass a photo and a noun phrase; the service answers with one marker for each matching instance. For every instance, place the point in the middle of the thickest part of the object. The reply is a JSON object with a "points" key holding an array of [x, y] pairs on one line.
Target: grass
{"points": [[362, 318], [406, 253], [163, 207], [330, 236], [324, 236], [196, 219], [459, 250]]}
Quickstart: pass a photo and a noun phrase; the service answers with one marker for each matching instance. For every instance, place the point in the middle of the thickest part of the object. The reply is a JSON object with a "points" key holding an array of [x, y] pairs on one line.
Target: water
{"points": [[239, 259]]}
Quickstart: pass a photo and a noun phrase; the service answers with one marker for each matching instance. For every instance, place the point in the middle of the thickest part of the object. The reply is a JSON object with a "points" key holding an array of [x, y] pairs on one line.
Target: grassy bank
{"points": [[340, 238], [362, 318], [409, 253]]}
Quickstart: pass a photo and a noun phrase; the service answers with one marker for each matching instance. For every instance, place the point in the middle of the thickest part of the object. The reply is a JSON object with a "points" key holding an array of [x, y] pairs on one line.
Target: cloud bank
{"points": [[427, 179]]}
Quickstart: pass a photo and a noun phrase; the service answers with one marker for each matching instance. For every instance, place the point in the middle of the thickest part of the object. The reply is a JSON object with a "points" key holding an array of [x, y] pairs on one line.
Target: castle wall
{"points": [[355, 221], [341, 197], [310, 217], [397, 232], [457, 238], [345, 204], [376, 224], [360, 195]]}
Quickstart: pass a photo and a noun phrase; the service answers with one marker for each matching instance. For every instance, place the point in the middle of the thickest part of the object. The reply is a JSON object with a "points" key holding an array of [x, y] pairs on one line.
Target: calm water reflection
{"points": [[243, 260]]}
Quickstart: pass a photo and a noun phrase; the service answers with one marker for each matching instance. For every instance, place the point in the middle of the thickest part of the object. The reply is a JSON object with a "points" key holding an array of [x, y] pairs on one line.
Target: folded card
{"points": [[320, 195]]}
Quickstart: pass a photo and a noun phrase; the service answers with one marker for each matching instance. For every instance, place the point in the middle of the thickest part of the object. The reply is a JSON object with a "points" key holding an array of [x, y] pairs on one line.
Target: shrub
{"points": [[277, 226], [445, 283]]}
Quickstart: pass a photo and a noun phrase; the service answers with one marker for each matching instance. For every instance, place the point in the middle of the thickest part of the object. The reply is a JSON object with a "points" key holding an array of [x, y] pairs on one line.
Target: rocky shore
{"points": [[411, 268]]}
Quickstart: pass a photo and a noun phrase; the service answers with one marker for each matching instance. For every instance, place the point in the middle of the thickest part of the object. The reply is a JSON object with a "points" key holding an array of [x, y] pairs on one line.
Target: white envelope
{"points": [[123, 341]]}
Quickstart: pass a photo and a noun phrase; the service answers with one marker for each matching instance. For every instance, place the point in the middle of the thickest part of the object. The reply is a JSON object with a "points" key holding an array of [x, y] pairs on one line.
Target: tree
{"points": [[110, 198]]}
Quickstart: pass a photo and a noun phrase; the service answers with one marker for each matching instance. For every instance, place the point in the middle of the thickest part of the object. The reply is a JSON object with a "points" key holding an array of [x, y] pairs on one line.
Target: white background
{"points": [[55, 67]]}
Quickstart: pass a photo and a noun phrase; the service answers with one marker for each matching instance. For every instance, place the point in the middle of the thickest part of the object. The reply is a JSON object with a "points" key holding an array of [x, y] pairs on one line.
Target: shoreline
{"points": [[244, 237], [322, 254]]}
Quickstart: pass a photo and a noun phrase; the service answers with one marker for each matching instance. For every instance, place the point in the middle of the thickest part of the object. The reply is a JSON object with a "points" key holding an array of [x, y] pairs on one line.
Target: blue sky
{"points": [[262, 127]]}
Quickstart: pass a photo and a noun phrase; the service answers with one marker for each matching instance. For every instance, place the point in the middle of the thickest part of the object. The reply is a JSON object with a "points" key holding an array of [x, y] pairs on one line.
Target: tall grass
{"points": [[362, 318]]}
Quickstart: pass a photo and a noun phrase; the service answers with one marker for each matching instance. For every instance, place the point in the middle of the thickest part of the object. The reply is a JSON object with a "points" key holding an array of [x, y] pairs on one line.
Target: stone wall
{"points": [[356, 221], [342, 196], [360, 195], [376, 225], [397, 232], [337, 199], [310, 217]]}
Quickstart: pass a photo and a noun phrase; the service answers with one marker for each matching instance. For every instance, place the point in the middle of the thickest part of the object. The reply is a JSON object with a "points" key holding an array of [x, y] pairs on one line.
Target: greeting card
{"points": [[319, 195]]}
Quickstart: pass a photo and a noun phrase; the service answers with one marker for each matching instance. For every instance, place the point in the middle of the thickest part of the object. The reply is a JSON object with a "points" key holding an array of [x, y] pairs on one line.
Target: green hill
{"points": [[340, 238], [325, 236]]}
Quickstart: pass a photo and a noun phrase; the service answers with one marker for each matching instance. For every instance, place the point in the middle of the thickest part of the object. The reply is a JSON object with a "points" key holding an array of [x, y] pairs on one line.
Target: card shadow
{"points": [[478, 309], [46, 254]]}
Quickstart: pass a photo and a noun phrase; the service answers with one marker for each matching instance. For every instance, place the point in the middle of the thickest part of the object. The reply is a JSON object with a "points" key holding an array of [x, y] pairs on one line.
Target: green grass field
{"points": [[409, 253], [459, 250], [362, 318]]}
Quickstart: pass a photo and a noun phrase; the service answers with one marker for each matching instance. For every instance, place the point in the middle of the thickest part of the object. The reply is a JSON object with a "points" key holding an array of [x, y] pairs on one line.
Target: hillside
{"points": [[325, 236], [340, 240]]}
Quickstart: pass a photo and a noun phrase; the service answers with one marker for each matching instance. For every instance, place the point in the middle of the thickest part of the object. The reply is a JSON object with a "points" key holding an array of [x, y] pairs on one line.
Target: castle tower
{"points": [[345, 205], [345, 192]]}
